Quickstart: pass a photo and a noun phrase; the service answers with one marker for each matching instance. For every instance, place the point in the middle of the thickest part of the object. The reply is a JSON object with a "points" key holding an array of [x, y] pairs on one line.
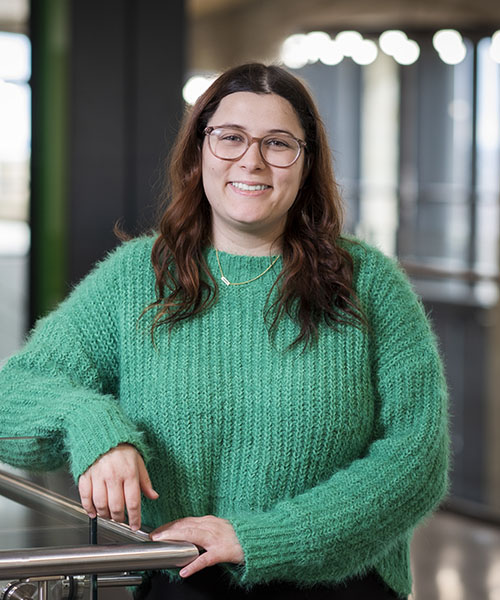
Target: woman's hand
{"points": [[114, 482], [214, 535]]}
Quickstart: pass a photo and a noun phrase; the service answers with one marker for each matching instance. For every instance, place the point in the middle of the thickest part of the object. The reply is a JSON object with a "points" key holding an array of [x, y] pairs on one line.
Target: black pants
{"points": [[212, 584]]}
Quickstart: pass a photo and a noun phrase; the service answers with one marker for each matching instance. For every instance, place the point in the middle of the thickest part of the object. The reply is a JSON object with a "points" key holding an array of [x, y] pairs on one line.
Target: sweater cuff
{"points": [[269, 546], [96, 429]]}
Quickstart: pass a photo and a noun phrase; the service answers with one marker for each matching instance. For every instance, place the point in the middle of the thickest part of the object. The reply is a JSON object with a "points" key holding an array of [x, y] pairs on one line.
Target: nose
{"points": [[252, 159]]}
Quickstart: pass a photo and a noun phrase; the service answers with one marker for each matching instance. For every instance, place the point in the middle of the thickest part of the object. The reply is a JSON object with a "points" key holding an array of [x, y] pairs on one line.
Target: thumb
{"points": [[146, 485]]}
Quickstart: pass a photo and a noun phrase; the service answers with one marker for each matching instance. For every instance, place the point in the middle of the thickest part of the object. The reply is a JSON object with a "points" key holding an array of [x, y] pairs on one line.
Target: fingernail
{"points": [[183, 572]]}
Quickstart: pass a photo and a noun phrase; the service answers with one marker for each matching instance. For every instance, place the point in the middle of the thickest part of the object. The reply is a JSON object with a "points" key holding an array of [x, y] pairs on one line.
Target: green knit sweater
{"points": [[324, 460]]}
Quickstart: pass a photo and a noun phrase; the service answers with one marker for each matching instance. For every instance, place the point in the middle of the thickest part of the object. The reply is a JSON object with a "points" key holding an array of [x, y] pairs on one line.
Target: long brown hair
{"points": [[315, 283]]}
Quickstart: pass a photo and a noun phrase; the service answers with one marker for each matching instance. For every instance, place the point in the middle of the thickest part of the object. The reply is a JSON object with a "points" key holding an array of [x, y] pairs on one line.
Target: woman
{"points": [[278, 382]]}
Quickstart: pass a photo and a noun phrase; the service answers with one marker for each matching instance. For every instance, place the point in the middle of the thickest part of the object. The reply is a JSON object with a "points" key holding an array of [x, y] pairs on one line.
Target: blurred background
{"points": [[92, 94]]}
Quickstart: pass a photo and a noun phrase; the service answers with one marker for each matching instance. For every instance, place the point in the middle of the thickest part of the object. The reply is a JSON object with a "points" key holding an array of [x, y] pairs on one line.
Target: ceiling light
{"points": [[331, 54], [348, 42], [392, 40], [445, 39], [495, 47], [408, 53], [450, 46], [195, 87], [294, 51], [315, 43], [365, 53], [454, 56], [395, 43]]}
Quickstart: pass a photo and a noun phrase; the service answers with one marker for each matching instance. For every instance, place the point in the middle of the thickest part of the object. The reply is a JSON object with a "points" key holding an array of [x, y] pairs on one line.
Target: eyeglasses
{"points": [[277, 150]]}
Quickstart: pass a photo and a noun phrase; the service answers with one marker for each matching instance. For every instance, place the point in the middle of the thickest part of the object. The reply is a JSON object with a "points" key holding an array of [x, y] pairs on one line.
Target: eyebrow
{"points": [[235, 126]]}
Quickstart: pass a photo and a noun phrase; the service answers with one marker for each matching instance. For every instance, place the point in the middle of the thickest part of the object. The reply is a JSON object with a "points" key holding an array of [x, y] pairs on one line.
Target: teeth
{"points": [[249, 188]]}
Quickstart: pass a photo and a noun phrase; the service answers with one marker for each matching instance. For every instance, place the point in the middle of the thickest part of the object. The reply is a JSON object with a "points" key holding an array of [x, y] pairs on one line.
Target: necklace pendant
{"points": [[226, 281]]}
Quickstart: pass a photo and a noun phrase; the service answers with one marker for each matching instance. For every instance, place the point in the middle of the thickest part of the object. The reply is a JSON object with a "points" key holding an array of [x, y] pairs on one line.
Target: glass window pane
{"points": [[15, 148], [488, 160]]}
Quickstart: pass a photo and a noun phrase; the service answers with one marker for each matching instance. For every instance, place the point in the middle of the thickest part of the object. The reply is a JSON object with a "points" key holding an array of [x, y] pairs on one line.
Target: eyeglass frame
{"points": [[210, 129]]}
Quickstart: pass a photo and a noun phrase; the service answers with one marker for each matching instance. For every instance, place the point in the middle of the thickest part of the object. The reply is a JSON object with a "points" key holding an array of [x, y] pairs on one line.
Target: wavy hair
{"points": [[315, 283]]}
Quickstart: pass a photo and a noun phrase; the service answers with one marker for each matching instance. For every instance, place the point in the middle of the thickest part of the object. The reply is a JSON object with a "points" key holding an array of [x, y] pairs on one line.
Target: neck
{"points": [[246, 243]]}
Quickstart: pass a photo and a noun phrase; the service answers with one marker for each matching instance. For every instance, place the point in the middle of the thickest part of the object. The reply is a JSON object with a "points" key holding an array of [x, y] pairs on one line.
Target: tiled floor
{"points": [[455, 558]]}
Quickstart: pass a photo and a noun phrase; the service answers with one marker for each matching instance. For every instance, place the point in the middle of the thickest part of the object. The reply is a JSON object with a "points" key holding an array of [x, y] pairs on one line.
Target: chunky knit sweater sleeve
{"points": [[62, 386], [362, 514]]}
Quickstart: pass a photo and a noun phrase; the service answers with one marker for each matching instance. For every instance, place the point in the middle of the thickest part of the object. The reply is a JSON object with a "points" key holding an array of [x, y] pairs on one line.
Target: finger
{"points": [[183, 532], [100, 498], [159, 530], [132, 494], [145, 483], [116, 501], [85, 490], [204, 560]]}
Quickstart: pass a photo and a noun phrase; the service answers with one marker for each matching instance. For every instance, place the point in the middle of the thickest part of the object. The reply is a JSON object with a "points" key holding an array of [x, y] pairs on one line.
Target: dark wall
{"points": [[127, 70], [106, 85]]}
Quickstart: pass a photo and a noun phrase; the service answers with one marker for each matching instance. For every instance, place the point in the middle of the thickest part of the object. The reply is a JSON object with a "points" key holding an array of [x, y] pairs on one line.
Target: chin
{"points": [[251, 223], [248, 219]]}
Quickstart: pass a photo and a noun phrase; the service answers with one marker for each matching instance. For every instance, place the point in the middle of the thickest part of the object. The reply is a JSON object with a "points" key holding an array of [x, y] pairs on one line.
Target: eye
{"points": [[230, 137], [279, 143]]}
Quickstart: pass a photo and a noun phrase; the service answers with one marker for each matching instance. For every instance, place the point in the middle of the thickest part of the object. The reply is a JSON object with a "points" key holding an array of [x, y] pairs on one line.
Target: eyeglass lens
{"points": [[279, 150]]}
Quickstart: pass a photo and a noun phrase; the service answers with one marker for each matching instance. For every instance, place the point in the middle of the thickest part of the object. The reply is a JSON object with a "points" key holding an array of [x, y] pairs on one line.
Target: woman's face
{"points": [[248, 196]]}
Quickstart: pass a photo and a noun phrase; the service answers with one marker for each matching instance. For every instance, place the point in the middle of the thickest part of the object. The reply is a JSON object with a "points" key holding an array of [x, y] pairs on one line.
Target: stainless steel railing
{"points": [[83, 560], [140, 555], [35, 496]]}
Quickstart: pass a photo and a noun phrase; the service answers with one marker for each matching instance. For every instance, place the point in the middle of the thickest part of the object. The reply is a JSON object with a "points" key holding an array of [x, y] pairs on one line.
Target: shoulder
{"points": [[125, 270], [133, 251], [370, 262], [379, 281], [129, 256]]}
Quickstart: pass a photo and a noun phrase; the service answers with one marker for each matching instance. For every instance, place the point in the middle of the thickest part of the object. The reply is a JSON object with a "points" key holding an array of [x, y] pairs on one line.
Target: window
{"points": [[15, 134]]}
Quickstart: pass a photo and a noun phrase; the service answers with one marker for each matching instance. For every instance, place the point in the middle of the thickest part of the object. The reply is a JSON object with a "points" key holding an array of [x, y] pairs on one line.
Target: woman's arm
{"points": [[62, 386]]}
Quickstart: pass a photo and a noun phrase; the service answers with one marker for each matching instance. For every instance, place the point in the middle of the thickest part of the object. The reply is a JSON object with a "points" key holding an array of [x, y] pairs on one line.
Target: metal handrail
{"points": [[35, 496], [141, 555], [82, 560], [467, 275]]}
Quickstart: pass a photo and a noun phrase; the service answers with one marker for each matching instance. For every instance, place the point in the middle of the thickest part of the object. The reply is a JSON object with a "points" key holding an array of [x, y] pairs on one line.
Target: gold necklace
{"points": [[226, 280]]}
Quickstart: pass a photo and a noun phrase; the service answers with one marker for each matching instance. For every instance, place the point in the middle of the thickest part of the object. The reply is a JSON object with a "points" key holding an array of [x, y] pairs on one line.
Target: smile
{"points": [[249, 188]]}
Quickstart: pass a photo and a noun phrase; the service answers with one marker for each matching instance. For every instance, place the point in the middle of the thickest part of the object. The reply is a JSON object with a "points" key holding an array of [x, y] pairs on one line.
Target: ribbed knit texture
{"points": [[324, 460]]}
